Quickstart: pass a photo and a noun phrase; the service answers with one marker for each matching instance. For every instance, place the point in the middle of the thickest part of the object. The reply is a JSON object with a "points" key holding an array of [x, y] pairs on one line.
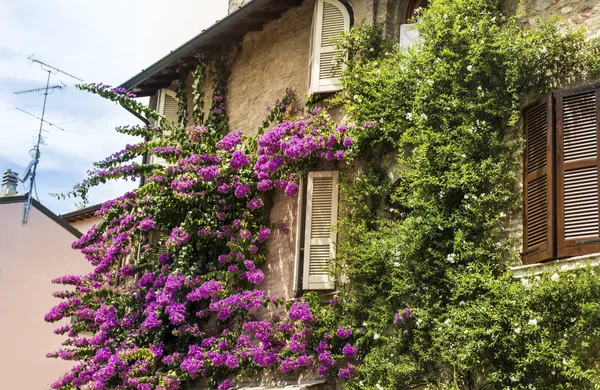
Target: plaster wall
{"points": [[30, 256]]}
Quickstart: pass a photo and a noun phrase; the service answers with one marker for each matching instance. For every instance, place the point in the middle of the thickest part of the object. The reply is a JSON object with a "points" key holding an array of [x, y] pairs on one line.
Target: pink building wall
{"points": [[30, 256]]}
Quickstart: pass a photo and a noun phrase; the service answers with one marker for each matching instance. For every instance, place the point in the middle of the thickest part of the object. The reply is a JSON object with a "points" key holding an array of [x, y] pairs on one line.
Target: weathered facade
{"points": [[270, 47]]}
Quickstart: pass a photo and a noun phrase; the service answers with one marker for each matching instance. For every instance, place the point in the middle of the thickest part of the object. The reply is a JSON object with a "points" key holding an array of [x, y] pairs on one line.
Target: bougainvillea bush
{"points": [[156, 316]]}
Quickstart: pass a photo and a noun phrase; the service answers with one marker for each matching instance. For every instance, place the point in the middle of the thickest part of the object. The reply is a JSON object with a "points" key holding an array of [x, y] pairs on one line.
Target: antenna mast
{"points": [[32, 168]]}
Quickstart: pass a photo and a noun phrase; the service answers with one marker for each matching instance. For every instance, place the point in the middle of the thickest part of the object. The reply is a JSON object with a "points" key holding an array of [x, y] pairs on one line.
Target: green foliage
{"points": [[217, 117], [428, 230], [198, 76], [182, 105]]}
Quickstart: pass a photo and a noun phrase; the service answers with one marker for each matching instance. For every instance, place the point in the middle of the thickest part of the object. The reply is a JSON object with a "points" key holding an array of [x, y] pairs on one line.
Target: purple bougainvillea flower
{"points": [[343, 333]]}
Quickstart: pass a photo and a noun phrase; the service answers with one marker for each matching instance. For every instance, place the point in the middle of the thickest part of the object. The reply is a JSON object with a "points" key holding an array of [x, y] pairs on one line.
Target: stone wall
{"points": [[268, 62], [574, 12]]}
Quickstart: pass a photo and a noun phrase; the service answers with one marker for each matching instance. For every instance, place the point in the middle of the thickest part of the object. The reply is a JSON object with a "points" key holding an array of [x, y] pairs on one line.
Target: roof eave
{"points": [[81, 215], [205, 38]]}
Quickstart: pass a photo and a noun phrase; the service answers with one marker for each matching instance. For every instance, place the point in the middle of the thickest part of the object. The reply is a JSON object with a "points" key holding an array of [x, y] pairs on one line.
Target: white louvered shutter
{"points": [[320, 240], [332, 19], [167, 106]]}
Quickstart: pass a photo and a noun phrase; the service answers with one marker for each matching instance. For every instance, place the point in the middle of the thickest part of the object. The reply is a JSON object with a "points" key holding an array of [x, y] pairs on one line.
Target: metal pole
{"points": [[36, 159]]}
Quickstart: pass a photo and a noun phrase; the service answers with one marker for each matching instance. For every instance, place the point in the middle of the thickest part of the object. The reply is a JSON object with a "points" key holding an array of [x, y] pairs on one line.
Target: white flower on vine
{"points": [[450, 258], [470, 68], [532, 322], [376, 336], [555, 277], [517, 330]]}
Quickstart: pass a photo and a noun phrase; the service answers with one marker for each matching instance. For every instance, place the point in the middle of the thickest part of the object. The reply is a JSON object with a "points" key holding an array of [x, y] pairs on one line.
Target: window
{"points": [[167, 105], [317, 237], [561, 175], [331, 18], [409, 35]]}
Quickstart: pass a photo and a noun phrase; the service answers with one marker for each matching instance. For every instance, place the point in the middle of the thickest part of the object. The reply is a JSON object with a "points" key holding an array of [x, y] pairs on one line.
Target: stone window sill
{"points": [[562, 265]]}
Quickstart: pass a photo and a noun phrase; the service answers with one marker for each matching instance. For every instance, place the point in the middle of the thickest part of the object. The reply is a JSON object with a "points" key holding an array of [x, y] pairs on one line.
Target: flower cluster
{"points": [[294, 141], [195, 230]]}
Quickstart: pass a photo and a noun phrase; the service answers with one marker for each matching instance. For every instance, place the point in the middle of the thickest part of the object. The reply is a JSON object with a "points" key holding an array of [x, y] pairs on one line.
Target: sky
{"points": [[105, 41]]}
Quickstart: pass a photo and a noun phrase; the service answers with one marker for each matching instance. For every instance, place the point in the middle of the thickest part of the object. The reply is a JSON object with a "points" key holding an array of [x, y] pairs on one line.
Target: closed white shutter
{"points": [[332, 19], [320, 240], [167, 105]]}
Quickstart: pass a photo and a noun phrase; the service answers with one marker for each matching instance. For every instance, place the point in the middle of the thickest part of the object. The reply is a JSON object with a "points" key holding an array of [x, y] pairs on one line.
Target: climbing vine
{"points": [[436, 188], [217, 117], [182, 103], [198, 76]]}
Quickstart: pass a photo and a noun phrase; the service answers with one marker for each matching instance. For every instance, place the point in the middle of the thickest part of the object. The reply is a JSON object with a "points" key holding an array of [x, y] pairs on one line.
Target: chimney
{"points": [[235, 4], [9, 183]]}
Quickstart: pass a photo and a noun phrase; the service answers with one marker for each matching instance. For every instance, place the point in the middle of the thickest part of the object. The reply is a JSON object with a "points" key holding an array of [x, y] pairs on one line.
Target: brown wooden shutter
{"points": [[577, 171], [538, 188], [157, 239]]}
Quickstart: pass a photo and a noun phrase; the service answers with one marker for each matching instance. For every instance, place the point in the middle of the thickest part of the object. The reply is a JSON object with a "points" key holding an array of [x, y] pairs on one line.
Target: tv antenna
{"points": [[30, 171]]}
